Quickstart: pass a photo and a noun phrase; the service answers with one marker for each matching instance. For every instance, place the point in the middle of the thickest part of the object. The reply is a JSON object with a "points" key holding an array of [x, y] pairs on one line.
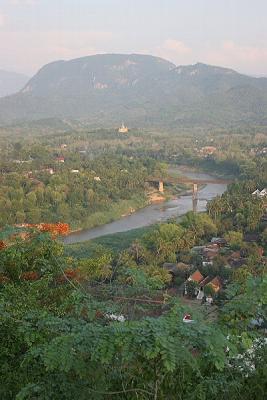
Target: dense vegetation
{"points": [[61, 342], [80, 191], [73, 193], [95, 321]]}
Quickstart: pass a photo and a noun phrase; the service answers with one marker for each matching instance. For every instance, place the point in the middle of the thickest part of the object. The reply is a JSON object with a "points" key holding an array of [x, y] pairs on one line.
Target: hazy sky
{"points": [[231, 33]]}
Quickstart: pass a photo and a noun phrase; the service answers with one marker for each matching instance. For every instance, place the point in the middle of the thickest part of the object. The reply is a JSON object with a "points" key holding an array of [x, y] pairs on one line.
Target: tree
{"points": [[209, 291], [96, 269], [201, 225], [191, 287], [165, 241], [234, 239]]}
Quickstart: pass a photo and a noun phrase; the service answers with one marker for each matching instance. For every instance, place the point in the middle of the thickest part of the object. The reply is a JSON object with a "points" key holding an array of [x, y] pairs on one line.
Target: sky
{"points": [[229, 33]]}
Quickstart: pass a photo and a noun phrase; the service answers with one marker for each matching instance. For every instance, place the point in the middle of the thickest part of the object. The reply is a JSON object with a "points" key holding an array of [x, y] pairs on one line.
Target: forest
{"points": [[41, 185], [88, 178], [111, 324]]}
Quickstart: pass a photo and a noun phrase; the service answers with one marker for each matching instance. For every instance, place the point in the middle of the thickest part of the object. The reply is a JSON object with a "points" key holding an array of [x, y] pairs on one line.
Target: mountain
{"points": [[11, 82], [140, 90]]}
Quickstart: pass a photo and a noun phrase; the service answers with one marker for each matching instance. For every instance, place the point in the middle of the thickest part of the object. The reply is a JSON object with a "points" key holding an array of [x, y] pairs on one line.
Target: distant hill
{"points": [[140, 90], [11, 82]]}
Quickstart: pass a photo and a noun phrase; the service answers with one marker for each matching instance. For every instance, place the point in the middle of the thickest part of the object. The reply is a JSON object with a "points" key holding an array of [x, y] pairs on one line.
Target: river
{"points": [[155, 212]]}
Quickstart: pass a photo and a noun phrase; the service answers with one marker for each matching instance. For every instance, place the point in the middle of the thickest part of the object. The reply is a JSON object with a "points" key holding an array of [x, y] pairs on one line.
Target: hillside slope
{"points": [[141, 90]]}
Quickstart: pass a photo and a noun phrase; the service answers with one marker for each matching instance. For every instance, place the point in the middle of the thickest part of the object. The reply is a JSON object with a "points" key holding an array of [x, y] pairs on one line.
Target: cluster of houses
{"points": [[60, 159], [215, 284], [260, 193], [207, 253], [259, 151]]}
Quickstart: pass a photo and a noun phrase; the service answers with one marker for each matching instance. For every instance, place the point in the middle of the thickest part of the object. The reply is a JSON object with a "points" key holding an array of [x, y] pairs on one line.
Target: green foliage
{"points": [[40, 254], [209, 291], [116, 242], [98, 268], [165, 240], [191, 287], [200, 224], [247, 301], [59, 342], [234, 239], [240, 210], [76, 198]]}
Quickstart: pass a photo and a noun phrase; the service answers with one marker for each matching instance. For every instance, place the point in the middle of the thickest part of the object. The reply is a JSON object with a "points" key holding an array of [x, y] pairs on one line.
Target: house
{"points": [[263, 193], [197, 250], [252, 237], [60, 159], [74, 171], [209, 300], [221, 242], [213, 246], [210, 253], [206, 263], [97, 179], [260, 193], [208, 256], [236, 260], [202, 283], [216, 284], [196, 277], [50, 171], [208, 150], [123, 129], [176, 269], [256, 192]]}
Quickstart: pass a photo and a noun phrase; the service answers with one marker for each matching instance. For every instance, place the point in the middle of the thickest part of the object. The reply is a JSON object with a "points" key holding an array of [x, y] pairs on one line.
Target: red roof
{"points": [[216, 284], [196, 276], [205, 281]]}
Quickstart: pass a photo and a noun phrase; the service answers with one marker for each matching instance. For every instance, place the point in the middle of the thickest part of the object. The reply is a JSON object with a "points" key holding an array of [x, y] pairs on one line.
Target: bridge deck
{"points": [[185, 179]]}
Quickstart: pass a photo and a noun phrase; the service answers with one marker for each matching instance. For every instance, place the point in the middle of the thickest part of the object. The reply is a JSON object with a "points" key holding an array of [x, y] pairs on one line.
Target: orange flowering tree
{"points": [[30, 252]]}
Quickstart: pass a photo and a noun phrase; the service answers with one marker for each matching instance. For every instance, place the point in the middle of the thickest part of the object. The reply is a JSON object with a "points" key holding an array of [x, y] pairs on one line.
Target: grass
{"points": [[115, 242], [114, 211]]}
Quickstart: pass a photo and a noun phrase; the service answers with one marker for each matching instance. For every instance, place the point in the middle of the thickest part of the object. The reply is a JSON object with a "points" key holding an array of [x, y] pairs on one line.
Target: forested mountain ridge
{"points": [[142, 90], [11, 82]]}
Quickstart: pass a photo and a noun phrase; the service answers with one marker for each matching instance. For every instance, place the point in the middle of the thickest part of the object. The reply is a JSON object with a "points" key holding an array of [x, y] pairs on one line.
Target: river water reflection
{"points": [[154, 213]]}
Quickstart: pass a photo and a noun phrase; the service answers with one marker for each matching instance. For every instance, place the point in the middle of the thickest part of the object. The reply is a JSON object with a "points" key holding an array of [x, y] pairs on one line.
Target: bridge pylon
{"points": [[195, 190], [161, 187]]}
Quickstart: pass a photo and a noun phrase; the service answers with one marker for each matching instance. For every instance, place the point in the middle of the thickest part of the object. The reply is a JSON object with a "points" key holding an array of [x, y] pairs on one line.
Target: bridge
{"points": [[160, 181]]}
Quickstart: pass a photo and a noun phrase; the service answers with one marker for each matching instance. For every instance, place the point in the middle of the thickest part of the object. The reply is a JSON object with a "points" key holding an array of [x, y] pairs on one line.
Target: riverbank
{"points": [[116, 242], [117, 210], [125, 208], [156, 197], [205, 169], [121, 209], [151, 214]]}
